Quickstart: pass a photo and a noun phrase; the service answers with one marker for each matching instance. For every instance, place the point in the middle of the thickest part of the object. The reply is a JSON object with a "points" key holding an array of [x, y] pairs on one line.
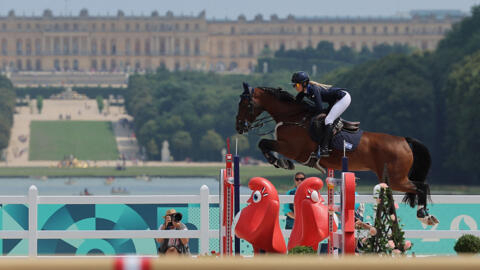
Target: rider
{"points": [[337, 98]]}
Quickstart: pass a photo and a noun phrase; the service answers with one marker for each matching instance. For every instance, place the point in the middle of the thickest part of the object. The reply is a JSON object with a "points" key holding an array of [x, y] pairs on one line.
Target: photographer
{"points": [[173, 246]]}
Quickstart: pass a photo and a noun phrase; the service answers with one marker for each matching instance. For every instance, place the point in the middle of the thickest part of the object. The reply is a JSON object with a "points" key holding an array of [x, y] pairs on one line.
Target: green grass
{"points": [[282, 179], [86, 140]]}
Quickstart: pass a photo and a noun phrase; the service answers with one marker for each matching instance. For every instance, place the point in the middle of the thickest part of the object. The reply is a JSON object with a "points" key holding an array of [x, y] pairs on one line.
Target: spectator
{"points": [[288, 209], [173, 246]]}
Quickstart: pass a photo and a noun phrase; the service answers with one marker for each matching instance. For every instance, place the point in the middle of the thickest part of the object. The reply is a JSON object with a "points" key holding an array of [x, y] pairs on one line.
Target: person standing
{"points": [[288, 208], [173, 246]]}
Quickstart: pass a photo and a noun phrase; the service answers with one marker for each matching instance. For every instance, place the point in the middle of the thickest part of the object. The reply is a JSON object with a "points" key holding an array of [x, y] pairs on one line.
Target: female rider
{"points": [[337, 98]]}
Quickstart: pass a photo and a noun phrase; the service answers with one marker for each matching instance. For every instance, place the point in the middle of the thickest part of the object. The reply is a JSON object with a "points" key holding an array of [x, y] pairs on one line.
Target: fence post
{"points": [[32, 220], [204, 220]]}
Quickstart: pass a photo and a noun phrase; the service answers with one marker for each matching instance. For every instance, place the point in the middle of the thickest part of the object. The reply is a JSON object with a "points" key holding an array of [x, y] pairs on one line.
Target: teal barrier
{"points": [[150, 217]]}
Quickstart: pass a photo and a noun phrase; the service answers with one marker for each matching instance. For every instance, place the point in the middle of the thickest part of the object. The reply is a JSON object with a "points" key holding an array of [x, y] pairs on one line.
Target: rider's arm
{"points": [[299, 97], [316, 91]]}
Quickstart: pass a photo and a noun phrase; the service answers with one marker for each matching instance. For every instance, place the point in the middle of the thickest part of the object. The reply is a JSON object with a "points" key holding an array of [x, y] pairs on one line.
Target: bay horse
{"points": [[405, 160]]}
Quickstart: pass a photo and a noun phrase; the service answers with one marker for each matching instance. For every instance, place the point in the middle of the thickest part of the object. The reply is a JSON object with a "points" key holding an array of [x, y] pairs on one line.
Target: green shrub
{"points": [[467, 244], [301, 250]]}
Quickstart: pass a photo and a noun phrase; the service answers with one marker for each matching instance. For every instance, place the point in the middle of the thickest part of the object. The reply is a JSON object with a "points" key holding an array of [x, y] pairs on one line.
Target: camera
{"points": [[177, 217]]}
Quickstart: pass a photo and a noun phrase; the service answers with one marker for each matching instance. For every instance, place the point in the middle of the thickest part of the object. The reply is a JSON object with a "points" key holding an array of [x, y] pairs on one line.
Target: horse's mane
{"points": [[283, 95], [278, 93]]}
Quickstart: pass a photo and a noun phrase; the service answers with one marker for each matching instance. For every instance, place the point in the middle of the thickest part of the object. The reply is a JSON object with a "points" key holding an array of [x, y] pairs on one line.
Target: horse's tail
{"points": [[418, 173]]}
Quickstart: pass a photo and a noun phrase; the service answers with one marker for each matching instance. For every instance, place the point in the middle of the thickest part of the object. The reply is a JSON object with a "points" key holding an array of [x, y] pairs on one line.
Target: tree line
{"points": [[7, 109]]}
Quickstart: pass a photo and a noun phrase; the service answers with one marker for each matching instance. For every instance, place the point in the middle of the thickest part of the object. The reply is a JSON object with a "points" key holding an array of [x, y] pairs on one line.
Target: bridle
{"points": [[259, 122]]}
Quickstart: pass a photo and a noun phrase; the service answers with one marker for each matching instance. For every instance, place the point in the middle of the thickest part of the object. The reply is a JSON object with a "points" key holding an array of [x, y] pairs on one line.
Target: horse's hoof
{"points": [[290, 164], [428, 220], [285, 164]]}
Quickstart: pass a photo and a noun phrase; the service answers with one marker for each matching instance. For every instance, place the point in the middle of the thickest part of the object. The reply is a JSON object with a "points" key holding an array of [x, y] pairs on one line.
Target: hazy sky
{"points": [[232, 8]]}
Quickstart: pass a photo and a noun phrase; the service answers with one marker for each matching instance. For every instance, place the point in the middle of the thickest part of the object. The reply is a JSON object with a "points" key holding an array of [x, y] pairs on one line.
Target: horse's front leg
{"points": [[269, 146]]}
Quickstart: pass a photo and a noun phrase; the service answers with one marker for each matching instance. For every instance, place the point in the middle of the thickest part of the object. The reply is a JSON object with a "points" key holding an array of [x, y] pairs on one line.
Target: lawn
{"points": [[86, 140]]}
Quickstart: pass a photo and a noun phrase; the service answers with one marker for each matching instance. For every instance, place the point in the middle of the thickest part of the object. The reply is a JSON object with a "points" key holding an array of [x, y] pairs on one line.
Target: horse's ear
{"points": [[246, 87]]}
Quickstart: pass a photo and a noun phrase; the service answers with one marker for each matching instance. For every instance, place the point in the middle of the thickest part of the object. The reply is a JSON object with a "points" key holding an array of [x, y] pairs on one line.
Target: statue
{"points": [[165, 152]]}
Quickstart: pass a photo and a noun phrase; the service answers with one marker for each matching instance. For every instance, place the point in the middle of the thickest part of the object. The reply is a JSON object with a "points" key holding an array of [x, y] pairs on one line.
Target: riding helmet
{"points": [[300, 77]]}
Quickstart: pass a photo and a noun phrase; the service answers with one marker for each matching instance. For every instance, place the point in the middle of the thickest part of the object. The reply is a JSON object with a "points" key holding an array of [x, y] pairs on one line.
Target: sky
{"points": [[221, 9]]}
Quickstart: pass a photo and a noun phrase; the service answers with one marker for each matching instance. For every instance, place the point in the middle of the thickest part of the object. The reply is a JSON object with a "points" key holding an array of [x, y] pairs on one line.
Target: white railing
{"points": [[204, 233]]}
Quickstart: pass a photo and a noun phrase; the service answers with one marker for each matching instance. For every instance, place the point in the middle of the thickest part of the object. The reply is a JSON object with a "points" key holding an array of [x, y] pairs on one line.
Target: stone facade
{"points": [[126, 43]]}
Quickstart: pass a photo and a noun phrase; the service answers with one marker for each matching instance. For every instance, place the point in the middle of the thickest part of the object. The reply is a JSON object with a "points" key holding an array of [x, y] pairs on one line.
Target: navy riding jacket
{"points": [[319, 94]]}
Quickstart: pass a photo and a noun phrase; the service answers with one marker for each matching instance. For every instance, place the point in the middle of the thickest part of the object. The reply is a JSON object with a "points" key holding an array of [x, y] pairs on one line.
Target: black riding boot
{"points": [[324, 152]]}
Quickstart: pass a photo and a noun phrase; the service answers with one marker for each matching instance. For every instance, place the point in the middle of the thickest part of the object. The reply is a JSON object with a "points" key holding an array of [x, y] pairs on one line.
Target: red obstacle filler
{"points": [[343, 239], [227, 205]]}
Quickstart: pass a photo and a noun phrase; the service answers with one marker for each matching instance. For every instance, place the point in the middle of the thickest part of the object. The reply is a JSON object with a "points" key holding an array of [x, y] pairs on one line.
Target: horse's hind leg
{"points": [[416, 192], [269, 146]]}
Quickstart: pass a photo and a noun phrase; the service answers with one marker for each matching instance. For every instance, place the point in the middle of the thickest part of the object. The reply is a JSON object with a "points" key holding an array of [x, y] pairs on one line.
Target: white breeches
{"points": [[338, 109]]}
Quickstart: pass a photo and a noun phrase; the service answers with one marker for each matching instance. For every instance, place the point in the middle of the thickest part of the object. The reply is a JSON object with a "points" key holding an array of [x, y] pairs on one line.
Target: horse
{"points": [[405, 161]]}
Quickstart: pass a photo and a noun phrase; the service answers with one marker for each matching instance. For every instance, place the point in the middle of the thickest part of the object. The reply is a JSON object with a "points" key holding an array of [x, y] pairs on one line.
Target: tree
{"points": [[181, 144], [463, 97], [39, 103], [211, 144], [152, 149], [100, 104]]}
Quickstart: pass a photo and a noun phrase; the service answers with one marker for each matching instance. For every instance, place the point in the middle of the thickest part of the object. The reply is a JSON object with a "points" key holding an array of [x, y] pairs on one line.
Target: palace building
{"points": [[124, 43]]}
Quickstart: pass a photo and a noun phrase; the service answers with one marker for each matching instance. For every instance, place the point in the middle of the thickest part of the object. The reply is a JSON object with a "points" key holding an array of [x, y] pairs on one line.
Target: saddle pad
{"points": [[352, 140]]}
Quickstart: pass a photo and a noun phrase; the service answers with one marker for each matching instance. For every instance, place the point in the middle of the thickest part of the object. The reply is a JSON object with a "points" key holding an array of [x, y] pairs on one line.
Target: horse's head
{"points": [[248, 110]]}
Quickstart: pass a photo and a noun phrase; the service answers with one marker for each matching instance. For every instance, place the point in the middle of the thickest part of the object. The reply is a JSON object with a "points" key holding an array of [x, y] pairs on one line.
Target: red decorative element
{"points": [[348, 214], [132, 263], [228, 194], [311, 216], [258, 223]]}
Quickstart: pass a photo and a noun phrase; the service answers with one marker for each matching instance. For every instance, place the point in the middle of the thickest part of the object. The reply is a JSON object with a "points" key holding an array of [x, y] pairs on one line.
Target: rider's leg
{"points": [[334, 113]]}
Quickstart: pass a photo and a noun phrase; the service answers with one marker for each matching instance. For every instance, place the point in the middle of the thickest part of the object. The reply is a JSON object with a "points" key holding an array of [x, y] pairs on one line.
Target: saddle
{"points": [[317, 126]]}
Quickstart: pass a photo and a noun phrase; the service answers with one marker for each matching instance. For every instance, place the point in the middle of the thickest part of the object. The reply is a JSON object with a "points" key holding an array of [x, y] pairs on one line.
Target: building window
{"points": [[113, 65], [66, 65], [104, 27], [56, 64], [4, 26], [19, 64], [310, 30], [127, 27], [94, 47], [75, 48], [187, 47], [93, 65], [104, 65], [65, 27], [177, 46], [407, 30], [197, 46], [4, 46], [28, 26], [299, 45], [250, 51], [197, 27], [299, 29], [147, 47], [94, 27], [233, 49], [75, 27], [57, 27], [75, 64], [66, 46], [19, 26], [385, 30], [38, 46], [112, 27], [353, 30], [232, 30], [127, 47], [19, 47], [332, 30], [374, 29], [137, 47], [137, 27], [342, 29], [38, 64], [320, 30], [187, 27], [395, 30], [29, 65], [103, 47], [28, 47], [364, 30], [37, 26], [113, 47], [162, 46]]}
